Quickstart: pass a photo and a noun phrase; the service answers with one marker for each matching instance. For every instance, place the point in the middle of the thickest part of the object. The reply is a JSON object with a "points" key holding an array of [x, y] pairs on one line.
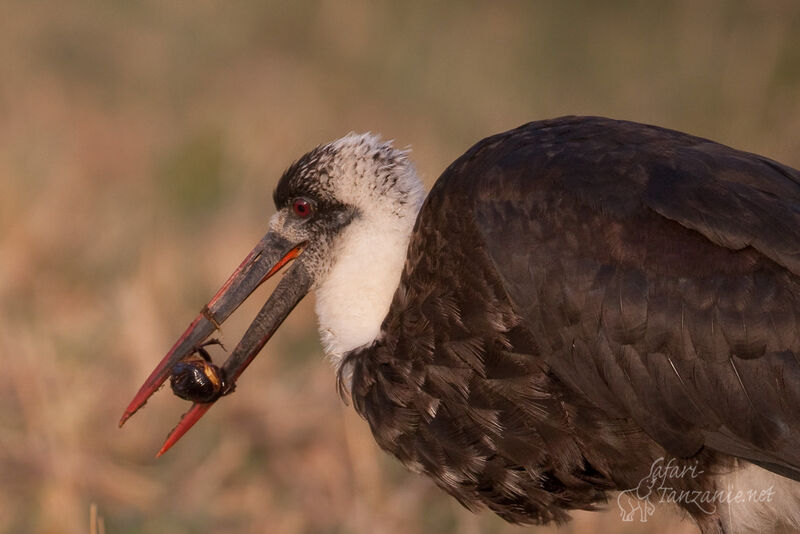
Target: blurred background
{"points": [[139, 146]]}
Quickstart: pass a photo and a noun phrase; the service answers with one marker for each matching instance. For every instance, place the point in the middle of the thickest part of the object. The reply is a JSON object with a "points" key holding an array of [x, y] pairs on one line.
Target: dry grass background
{"points": [[139, 145]]}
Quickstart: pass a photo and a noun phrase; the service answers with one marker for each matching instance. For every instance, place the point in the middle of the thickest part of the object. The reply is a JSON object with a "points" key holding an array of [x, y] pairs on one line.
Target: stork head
{"points": [[341, 193], [345, 212], [353, 204]]}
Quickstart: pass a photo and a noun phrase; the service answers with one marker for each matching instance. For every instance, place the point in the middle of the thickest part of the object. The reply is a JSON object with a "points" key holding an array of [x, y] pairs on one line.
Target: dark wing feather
{"points": [[659, 273]]}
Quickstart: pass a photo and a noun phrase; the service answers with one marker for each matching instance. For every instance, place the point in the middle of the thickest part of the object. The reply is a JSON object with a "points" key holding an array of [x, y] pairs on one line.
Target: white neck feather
{"points": [[769, 502], [354, 298], [354, 295]]}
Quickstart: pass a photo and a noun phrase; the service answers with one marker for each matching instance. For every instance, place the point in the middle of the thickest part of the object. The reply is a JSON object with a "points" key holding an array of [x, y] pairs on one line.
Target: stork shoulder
{"points": [[657, 271], [622, 170]]}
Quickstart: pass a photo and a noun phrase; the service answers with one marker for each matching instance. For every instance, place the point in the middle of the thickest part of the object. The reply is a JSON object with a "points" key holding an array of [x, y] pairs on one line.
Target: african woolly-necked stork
{"points": [[575, 302]]}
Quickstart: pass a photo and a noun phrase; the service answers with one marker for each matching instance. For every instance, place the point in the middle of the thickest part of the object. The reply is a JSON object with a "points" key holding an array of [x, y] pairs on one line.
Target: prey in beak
{"points": [[345, 212], [268, 257], [197, 379]]}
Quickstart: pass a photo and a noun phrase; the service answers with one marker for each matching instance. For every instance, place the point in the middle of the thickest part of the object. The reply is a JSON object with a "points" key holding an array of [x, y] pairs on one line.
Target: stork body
{"points": [[578, 302], [581, 298]]}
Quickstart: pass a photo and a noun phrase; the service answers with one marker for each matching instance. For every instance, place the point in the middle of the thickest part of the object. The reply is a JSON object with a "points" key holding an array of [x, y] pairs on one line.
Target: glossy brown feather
{"points": [[582, 296]]}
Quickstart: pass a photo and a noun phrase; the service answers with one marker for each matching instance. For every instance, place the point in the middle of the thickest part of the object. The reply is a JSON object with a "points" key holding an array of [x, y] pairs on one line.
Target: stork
{"points": [[575, 303]]}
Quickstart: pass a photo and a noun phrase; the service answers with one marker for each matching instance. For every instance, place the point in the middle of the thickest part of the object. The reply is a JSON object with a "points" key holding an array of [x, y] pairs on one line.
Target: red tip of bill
{"points": [[153, 382], [127, 415], [198, 330], [187, 421], [217, 310]]}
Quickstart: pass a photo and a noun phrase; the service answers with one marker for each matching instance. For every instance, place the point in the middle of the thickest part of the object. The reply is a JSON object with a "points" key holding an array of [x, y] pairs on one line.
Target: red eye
{"points": [[301, 207]]}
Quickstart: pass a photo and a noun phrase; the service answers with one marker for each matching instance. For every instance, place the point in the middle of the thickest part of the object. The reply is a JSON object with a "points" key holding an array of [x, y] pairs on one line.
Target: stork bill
{"points": [[578, 306]]}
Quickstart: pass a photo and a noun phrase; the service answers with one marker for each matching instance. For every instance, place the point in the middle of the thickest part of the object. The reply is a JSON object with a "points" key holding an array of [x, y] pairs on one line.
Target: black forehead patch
{"points": [[302, 178]]}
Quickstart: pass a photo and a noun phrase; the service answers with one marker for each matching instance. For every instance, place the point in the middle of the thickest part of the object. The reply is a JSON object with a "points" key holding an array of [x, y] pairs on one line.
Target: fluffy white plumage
{"points": [[768, 502], [354, 296]]}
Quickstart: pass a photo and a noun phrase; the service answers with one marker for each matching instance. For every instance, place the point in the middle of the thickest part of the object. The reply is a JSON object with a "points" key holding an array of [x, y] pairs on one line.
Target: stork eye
{"points": [[302, 207]]}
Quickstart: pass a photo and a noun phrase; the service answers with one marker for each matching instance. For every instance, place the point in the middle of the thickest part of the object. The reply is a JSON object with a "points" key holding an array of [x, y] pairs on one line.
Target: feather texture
{"points": [[581, 297]]}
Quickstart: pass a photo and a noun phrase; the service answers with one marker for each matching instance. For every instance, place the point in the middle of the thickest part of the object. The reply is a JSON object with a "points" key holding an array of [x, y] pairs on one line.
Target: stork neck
{"points": [[354, 298]]}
